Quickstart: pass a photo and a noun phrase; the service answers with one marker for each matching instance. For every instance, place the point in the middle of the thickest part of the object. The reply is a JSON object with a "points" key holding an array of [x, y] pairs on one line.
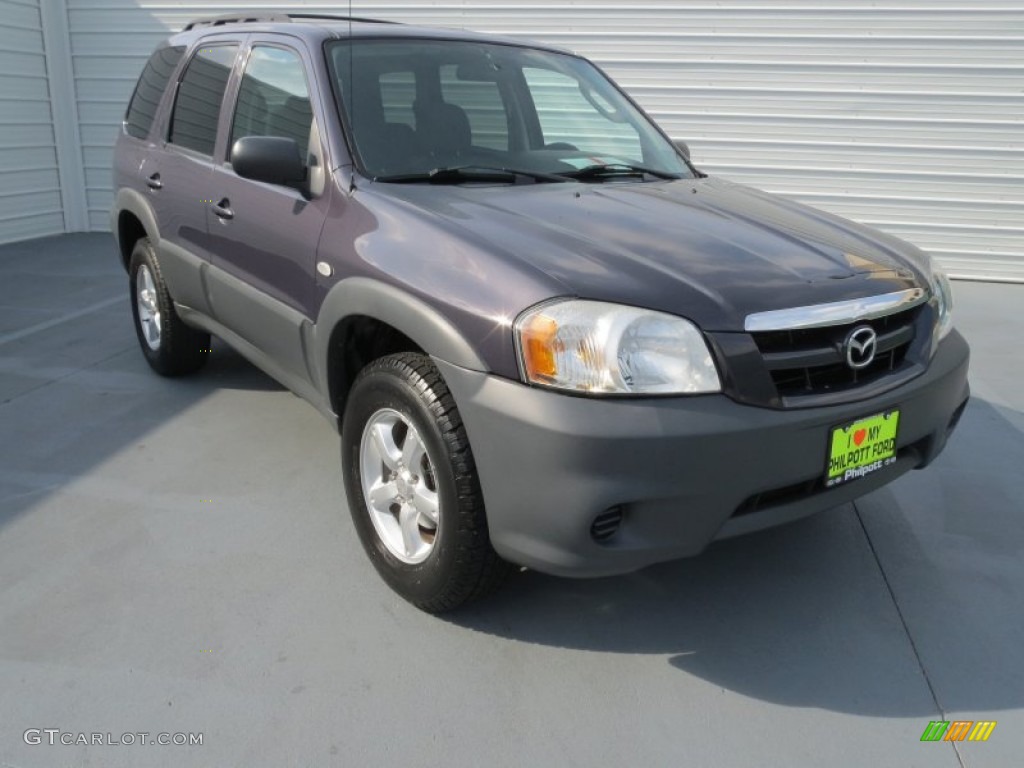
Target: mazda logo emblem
{"points": [[861, 344]]}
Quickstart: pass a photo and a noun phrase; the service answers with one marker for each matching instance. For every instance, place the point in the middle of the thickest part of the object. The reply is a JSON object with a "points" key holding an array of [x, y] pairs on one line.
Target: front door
{"points": [[263, 236]]}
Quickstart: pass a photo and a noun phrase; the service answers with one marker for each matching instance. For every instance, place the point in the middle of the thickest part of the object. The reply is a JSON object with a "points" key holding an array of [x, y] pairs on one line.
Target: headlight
{"points": [[599, 348], [944, 300]]}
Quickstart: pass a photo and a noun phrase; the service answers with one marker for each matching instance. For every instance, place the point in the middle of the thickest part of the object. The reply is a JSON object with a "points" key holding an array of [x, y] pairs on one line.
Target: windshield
{"points": [[415, 106]]}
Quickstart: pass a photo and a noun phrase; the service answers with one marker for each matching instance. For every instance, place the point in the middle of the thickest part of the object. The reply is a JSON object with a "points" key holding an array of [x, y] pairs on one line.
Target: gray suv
{"points": [[545, 337]]}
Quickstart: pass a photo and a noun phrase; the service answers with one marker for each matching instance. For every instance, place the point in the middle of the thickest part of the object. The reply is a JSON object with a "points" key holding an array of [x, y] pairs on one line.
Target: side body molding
{"points": [[421, 322]]}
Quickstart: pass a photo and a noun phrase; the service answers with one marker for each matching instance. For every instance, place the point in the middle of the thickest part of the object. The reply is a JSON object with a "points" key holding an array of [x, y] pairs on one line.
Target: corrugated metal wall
{"points": [[907, 115], [30, 200]]}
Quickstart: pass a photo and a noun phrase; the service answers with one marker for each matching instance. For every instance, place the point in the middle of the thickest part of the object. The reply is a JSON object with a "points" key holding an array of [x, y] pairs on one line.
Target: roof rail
{"points": [[357, 19], [274, 18], [234, 18]]}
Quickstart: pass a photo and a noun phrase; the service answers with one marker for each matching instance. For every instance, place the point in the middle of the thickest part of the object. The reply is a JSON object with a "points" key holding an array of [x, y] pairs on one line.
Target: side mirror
{"points": [[273, 159], [683, 147]]}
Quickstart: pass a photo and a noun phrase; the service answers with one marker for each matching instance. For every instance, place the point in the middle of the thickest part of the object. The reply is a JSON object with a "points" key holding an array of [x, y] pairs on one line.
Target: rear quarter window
{"points": [[148, 91]]}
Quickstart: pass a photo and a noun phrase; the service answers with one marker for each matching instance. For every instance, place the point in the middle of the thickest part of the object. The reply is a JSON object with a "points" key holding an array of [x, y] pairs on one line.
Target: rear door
{"points": [[138, 137], [177, 171], [264, 237]]}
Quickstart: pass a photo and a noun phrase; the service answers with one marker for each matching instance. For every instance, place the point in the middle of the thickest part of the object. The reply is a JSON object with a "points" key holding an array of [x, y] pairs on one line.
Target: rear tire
{"points": [[170, 347], [412, 486]]}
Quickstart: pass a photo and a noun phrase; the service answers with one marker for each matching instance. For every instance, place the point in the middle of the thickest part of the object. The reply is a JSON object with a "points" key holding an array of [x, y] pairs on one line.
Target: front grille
{"points": [[780, 496], [797, 492], [812, 361]]}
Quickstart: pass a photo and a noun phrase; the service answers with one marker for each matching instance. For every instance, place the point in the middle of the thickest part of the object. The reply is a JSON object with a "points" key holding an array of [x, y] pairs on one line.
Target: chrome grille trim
{"points": [[835, 313]]}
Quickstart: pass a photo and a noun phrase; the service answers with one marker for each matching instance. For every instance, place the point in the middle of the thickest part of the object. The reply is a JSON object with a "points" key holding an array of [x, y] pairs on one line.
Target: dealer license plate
{"points": [[863, 447]]}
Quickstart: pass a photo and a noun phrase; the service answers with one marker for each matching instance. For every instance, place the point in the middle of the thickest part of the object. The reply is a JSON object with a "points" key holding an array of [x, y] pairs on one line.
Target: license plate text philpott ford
{"points": [[863, 447]]}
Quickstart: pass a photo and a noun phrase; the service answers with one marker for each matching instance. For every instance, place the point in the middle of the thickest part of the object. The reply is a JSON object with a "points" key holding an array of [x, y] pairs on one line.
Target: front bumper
{"points": [[684, 471]]}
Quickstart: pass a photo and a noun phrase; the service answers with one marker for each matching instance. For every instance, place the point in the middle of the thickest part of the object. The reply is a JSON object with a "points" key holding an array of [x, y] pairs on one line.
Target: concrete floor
{"points": [[176, 556]]}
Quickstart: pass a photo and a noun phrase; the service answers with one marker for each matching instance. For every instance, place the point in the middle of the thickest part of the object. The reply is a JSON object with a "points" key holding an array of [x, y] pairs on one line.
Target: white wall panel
{"points": [[30, 200], [907, 115]]}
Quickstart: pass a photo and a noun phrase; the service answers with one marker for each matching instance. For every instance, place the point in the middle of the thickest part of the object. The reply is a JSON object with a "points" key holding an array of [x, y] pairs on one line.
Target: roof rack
{"points": [[234, 18], [357, 19], [273, 18]]}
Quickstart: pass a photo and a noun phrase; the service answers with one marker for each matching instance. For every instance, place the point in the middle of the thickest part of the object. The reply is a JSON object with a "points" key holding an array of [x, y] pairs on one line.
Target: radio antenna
{"points": [[351, 97]]}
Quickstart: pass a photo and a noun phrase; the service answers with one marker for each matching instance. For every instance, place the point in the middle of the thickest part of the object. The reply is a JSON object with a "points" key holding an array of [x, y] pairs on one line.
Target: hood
{"points": [[705, 249]]}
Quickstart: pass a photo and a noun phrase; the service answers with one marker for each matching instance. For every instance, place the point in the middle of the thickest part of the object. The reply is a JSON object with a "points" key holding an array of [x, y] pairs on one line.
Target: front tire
{"points": [[412, 486], [170, 347]]}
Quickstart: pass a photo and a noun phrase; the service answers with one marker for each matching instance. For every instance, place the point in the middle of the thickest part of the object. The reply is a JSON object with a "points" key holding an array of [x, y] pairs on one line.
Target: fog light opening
{"points": [[955, 418], [606, 525]]}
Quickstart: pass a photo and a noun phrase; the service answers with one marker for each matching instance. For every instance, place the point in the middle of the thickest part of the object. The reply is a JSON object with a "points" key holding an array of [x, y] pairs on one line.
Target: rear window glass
{"points": [[150, 88], [197, 108]]}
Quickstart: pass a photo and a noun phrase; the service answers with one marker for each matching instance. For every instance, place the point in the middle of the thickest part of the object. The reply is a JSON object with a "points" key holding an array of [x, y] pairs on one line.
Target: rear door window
{"points": [[149, 90], [200, 93]]}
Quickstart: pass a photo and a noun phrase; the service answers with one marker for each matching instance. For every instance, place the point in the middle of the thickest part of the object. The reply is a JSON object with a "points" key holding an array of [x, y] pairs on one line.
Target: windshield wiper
{"points": [[611, 170], [463, 173]]}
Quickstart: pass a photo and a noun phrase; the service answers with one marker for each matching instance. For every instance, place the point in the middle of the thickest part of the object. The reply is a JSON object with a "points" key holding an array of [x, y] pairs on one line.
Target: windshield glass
{"points": [[413, 106]]}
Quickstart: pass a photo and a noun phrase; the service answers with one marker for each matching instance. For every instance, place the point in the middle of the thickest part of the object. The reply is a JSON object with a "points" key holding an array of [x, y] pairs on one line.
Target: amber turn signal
{"points": [[538, 337]]}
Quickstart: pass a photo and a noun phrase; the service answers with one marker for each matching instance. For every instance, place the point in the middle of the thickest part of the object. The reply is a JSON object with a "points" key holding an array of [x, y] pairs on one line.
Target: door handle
{"points": [[223, 210], [153, 182]]}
